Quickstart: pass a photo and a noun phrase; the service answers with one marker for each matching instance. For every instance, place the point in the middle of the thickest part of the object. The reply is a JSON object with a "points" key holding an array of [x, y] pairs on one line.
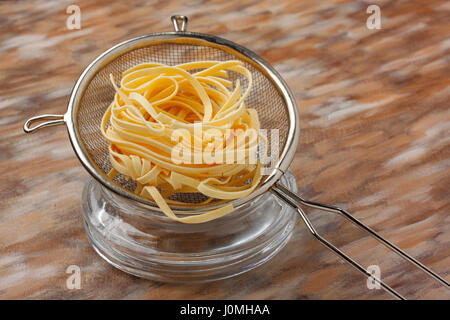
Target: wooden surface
{"points": [[375, 121]]}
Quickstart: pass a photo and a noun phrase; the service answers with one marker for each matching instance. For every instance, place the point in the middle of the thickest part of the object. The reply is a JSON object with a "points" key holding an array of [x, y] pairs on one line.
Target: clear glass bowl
{"points": [[138, 240]]}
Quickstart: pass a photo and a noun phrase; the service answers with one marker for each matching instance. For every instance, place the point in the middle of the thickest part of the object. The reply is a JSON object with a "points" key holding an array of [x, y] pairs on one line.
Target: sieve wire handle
{"points": [[297, 202], [52, 120]]}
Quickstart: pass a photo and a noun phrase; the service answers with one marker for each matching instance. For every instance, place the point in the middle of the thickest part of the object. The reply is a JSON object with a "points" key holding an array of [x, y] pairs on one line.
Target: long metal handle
{"points": [[296, 201], [53, 120]]}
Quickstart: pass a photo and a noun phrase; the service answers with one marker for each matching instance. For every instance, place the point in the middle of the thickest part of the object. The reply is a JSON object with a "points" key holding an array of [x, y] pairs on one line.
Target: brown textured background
{"points": [[375, 120]]}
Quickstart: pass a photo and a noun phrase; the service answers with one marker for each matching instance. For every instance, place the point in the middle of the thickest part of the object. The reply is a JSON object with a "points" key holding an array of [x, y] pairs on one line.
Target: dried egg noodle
{"points": [[154, 100]]}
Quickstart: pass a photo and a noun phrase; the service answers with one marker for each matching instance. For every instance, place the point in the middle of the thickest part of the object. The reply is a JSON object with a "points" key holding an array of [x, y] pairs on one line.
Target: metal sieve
{"points": [[270, 96]]}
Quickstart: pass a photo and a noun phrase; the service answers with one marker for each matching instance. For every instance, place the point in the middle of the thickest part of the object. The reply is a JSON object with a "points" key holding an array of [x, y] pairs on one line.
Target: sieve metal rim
{"points": [[243, 53]]}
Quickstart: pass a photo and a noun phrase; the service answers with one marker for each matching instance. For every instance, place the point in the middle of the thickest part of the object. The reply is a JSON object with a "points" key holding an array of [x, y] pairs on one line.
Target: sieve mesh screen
{"points": [[99, 93]]}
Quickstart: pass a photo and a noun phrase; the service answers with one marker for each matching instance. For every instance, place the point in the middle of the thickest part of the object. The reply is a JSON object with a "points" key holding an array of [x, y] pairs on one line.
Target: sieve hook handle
{"points": [[46, 121], [297, 202], [179, 23]]}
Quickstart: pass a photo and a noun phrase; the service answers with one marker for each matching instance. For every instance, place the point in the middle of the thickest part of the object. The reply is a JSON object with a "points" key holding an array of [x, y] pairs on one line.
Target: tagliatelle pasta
{"points": [[184, 129]]}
